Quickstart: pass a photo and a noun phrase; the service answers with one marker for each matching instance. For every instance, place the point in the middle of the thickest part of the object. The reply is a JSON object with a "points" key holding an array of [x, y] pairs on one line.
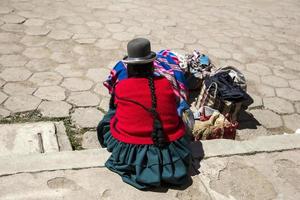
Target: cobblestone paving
{"points": [[54, 54]]}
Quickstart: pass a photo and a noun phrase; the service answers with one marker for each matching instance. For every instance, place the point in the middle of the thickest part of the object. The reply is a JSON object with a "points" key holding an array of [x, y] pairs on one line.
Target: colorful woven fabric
{"points": [[166, 65]]}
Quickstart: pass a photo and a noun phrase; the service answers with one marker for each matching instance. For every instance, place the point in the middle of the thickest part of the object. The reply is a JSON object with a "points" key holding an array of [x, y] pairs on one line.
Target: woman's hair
{"points": [[146, 71], [140, 70]]}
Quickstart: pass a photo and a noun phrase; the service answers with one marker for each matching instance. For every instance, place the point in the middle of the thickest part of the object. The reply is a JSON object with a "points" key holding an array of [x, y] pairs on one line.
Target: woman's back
{"points": [[133, 121]]}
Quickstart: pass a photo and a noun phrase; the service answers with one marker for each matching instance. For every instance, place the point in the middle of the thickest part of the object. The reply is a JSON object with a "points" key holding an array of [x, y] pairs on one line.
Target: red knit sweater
{"points": [[133, 124]]}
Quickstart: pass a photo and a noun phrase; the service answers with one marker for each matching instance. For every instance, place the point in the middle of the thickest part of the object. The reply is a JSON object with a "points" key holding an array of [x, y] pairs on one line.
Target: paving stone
{"points": [[5, 10], [267, 118], [292, 65], [274, 81], [108, 44], [123, 36], [36, 52], [236, 188], [37, 30], [90, 140], [73, 20], [4, 113], [98, 74], [292, 121], [86, 41], [101, 33], [115, 27], [85, 50], [77, 84], [80, 29], [295, 84], [22, 103], [18, 88], [265, 45], [257, 101], [62, 57], [240, 57], [288, 93], [85, 98], [100, 89], [297, 105], [86, 62], [15, 74], [13, 19], [86, 117], [54, 108], [94, 24], [60, 35], [285, 50], [251, 77], [259, 69], [84, 36], [34, 22], [46, 78], [284, 73], [28, 14], [278, 105], [59, 46], [9, 37], [17, 28], [296, 57], [104, 105], [12, 60], [66, 70], [8, 48], [219, 53], [52, 93], [137, 30], [3, 97], [2, 82], [40, 65], [265, 91], [34, 41], [172, 44]]}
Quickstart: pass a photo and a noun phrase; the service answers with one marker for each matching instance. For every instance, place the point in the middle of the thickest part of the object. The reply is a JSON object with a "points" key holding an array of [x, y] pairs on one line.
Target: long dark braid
{"points": [[157, 135]]}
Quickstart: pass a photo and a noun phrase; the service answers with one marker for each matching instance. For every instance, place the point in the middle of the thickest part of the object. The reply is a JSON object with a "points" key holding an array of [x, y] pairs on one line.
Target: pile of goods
{"points": [[220, 95]]}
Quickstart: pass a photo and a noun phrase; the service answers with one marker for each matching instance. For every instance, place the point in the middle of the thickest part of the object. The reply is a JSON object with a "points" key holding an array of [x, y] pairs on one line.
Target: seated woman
{"points": [[143, 128]]}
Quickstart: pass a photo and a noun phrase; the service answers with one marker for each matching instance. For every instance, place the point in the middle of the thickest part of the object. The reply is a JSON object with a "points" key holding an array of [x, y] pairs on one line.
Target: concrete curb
{"points": [[15, 164]]}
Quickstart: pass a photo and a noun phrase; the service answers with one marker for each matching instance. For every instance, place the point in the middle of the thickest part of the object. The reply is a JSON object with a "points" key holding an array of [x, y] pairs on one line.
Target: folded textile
{"points": [[225, 87]]}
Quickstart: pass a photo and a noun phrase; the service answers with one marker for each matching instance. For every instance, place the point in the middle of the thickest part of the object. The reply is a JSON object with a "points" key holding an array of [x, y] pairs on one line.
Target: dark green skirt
{"points": [[146, 166]]}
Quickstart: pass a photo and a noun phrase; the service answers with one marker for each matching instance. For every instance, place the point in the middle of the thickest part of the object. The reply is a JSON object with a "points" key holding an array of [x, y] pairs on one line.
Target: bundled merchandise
{"points": [[222, 94], [213, 125], [196, 66]]}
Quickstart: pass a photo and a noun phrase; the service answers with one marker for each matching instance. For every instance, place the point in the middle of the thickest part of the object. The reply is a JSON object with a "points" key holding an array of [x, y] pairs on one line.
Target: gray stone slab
{"points": [[260, 176], [92, 184], [62, 138], [27, 138], [53, 161], [97, 157]]}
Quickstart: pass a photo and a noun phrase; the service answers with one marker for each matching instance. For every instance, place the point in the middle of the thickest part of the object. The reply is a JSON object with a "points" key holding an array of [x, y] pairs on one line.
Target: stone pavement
{"points": [[272, 173], [54, 54]]}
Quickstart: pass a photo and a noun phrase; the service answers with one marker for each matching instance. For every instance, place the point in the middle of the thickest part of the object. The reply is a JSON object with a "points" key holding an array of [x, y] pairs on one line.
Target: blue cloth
{"points": [[167, 65]]}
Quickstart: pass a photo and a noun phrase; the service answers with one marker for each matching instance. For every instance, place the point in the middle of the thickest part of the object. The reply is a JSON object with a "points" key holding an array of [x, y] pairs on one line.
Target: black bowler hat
{"points": [[139, 52]]}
